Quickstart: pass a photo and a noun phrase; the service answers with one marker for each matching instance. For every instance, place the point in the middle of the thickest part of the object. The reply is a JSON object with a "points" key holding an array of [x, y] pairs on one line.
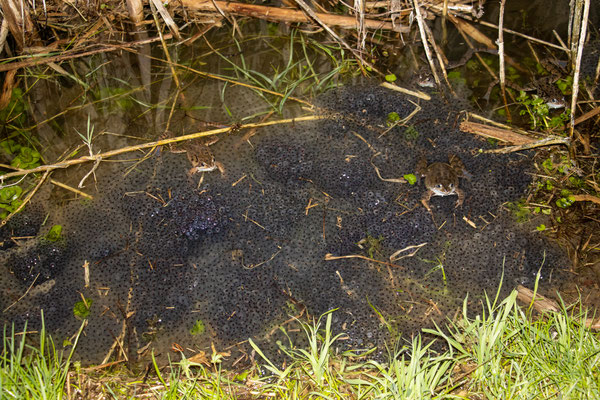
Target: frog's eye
{"points": [[451, 186], [438, 186]]}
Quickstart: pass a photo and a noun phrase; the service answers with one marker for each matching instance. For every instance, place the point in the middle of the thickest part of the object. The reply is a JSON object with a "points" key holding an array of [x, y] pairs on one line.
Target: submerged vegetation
{"points": [[498, 351]]}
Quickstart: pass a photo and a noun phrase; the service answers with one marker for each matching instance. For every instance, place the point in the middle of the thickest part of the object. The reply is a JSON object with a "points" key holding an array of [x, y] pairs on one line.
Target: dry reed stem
{"points": [[17, 15], [504, 135], [440, 57], [533, 39], [417, 93], [163, 43], [128, 149], [421, 25], [586, 197], [500, 43], [590, 114], [70, 54], [287, 15], [575, 18], [136, 11], [582, 35], [166, 17], [547, 141], [472, 32], [331, 257]]}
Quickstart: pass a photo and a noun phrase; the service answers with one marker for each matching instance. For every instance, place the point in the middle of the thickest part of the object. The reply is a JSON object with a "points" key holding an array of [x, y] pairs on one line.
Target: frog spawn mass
{"points": [[248, 248]]}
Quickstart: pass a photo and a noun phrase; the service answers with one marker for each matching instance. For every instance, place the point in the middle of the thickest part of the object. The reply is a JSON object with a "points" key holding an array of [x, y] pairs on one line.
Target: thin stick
{"points": [[421, 24], [501, 51], [331, 257], [533, 39], [588, 115], [28, 198], [71, 189], [393, 86], [128, 149], [438, 54], [586, 11]]}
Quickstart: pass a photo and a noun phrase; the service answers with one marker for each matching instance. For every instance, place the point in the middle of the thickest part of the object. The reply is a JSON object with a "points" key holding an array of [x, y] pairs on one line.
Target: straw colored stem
{"points": [[128, 149], [288, 15], [586, 11], [501, 50], [28, 198], [421, 25], [533, 39]]}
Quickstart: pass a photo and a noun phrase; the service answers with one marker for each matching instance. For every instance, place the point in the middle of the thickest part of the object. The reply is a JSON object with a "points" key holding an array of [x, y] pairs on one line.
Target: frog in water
{"points": [[198, 153], [441, 179], [544, 87]]}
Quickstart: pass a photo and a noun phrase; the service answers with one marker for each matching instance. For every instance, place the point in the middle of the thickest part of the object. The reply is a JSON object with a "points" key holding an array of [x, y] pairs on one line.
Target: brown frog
{"points": [[544, 87], [441, 179], [198, 153]]}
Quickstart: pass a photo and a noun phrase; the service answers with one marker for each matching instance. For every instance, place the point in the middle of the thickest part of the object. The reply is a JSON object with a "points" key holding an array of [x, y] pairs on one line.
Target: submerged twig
{"points": [[29, 195], [71, 189]]}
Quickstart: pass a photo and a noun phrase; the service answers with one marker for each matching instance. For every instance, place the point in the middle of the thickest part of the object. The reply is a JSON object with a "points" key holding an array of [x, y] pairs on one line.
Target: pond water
{"points": [[162, 256]]}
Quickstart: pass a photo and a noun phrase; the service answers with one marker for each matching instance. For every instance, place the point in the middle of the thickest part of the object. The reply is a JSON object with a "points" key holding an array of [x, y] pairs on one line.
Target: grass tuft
{"points": [[499, 353]]}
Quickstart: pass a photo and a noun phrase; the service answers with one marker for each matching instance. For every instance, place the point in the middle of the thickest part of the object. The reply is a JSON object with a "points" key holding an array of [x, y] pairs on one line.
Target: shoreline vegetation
{"points": [[502, 350]]}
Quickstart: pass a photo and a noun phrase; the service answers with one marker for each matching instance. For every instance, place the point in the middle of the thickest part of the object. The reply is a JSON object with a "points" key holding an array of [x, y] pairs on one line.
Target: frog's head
{"points": [[556, 102], [425, 79], [204, 162], [444, 188]]}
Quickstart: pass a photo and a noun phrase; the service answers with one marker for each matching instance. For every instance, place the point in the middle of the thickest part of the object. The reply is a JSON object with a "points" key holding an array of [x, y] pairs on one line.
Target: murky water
{"points": [[222, 257]]}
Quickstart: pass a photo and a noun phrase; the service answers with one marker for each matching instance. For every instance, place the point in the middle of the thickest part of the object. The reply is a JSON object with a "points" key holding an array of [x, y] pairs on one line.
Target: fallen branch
{"points": [[588, 115], [543, 304], [128, 149], [586, 197], [520, 142], [287, 15], [492, 132]]}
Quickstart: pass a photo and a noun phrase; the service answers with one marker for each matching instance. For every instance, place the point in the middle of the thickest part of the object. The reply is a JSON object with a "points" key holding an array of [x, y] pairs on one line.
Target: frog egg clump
{"points": [[244, 250]]}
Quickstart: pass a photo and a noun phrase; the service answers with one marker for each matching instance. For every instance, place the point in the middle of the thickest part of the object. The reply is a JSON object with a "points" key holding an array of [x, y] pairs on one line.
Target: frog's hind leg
{"points": [[461, 197], [459, 167], [425, 201]]}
